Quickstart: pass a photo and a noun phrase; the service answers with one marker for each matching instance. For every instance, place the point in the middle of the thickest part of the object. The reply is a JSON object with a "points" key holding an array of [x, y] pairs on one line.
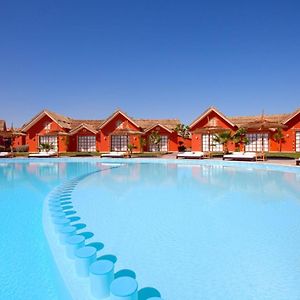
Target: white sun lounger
{"points": [[241, 156], [4, 154], [114, 154], [190, 154], [43, 154]]}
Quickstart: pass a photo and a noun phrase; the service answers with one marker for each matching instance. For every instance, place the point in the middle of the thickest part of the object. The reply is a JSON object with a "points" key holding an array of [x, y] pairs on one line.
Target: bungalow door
{"points": [[161, 146], [119, 143]]}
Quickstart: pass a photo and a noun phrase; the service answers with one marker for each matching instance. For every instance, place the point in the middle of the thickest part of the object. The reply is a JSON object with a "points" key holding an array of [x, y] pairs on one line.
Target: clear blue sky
{"points": [[152, 59]]}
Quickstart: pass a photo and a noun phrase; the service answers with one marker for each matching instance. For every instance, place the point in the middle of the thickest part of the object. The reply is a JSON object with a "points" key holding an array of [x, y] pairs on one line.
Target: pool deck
{"points": [[283, 162]]}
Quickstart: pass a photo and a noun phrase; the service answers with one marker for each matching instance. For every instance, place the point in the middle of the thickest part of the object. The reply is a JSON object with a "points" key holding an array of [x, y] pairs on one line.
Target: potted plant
{"points": [[46, 147]]}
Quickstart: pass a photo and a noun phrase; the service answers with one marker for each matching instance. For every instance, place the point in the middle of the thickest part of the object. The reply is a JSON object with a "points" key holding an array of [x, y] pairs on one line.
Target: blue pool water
{"points": [[27, 270], [191, 231], [198, 231]]}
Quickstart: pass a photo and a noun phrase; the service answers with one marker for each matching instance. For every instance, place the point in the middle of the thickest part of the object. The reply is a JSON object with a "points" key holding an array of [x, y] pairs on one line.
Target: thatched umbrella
{"points": [[263, 124], [125, 131]]}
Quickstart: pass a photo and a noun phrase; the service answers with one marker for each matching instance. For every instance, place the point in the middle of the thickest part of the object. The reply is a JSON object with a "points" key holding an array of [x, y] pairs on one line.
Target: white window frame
{"points": [[119, 142], [86, 143], [208, 144], [257, 142], [48, 139]]}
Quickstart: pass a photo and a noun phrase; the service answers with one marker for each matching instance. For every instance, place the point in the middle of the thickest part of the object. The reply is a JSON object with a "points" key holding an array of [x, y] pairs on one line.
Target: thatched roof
{"points": [[240, 121], [62, 121], [93, 124], [147, 123]]}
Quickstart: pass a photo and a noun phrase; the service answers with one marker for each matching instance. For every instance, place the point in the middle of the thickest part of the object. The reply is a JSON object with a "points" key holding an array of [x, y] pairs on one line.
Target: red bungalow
{"points": [[113, 134], [117, 131], [265, 137], [260, 138], [85, 136], [169, 137], [206, 126], [47, 127]]}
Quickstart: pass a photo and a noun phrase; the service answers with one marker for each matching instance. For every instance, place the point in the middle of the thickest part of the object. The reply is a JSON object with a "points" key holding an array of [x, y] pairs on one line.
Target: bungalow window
{"points": [[86, 143], [297, 141], [209, 145], [48, 139], [257, 142], [162, 146], [119, 142]]}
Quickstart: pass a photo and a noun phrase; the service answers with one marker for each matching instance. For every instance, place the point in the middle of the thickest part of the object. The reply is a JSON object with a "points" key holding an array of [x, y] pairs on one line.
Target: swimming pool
{"points": [[192, 231]]}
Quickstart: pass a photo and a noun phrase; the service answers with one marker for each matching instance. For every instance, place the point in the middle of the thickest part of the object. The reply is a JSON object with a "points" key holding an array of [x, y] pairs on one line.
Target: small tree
{"points": [[279, 137], [223, 138], [154, 139], [130, 148]]}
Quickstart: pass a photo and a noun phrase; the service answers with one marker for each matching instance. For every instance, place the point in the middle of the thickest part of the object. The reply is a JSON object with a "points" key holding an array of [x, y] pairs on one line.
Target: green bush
{"points": [[181, 148]]}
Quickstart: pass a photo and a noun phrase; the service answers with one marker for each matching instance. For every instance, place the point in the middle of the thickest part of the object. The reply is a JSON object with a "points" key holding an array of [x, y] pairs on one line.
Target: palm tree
{"points": [[183, 130], [154, 139], [142, 143], [279, 137], [239, 138], [223, 138]]}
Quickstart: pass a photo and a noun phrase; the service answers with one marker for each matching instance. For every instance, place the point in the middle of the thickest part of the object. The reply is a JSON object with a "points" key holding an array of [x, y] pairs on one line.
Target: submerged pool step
{"points": [[102, 275], [65, 232], [85, 256], [104, 283], [73, 243], [124, 288]]}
